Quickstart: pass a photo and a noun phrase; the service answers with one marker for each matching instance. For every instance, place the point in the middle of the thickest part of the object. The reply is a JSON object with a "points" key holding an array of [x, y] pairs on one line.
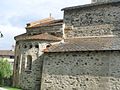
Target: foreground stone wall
{"points": [[95, 20], [97, 70]]}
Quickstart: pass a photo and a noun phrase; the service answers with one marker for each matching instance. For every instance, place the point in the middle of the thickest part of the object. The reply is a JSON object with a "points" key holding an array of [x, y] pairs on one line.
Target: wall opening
{"points": [[30, 46], [36, 46], [29, 62]]}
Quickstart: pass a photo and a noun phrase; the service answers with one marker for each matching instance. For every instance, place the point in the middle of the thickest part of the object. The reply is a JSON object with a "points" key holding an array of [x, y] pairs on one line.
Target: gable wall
{"points": [[96, 20]]}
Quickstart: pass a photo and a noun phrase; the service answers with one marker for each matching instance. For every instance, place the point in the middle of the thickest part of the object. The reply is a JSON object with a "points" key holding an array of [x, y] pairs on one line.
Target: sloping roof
{"points": [[6, 53], [44, 22], [90, 5], [86, 44], [44, 36], [40, 21]]}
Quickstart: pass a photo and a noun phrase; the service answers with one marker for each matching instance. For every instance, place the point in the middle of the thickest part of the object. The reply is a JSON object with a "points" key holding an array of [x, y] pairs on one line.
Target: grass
{"points": [[10, 88]]}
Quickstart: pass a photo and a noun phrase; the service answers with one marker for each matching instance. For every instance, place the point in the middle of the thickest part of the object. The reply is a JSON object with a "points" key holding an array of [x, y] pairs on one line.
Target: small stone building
{"points": [[85, 55], [8, 55]]}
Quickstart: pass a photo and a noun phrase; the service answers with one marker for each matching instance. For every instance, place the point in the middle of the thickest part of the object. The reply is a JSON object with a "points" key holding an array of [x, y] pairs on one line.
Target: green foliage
{"points": [[10, 88], [5, 70]]}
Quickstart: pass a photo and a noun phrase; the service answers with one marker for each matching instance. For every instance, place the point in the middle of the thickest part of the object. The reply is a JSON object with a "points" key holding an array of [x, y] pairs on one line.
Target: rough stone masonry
{"points": [[80, 52]]}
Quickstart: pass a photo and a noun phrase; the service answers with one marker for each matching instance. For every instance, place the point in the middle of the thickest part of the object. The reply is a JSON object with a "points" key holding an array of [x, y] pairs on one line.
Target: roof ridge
{"points": [[43, 36], [46, 23], [40, 21]]}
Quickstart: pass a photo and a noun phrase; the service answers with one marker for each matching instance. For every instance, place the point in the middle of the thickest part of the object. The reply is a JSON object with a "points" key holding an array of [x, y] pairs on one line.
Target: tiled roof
{"points": [[90, 5], [44, 36], [40, 21], [6, 53], [44, 22], [86, 44]]}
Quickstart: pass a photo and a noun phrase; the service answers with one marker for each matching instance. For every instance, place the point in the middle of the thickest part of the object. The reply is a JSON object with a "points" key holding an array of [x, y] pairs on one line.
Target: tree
{"points": [[5, 70]]}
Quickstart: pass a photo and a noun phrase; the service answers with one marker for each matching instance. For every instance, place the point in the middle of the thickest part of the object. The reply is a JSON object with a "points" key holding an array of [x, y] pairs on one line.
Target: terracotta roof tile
{"points": [[44, 22], [86, 44], [44, 36], [6, 53], [40, 21]]}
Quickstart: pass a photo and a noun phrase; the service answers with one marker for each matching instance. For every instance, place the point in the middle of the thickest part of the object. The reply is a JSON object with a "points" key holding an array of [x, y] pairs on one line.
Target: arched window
{"points": [[30, 46], [29, 62]]}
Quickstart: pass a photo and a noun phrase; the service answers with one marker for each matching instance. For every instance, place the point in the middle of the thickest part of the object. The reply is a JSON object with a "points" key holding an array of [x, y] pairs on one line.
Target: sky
{"points": [[14, 14]]}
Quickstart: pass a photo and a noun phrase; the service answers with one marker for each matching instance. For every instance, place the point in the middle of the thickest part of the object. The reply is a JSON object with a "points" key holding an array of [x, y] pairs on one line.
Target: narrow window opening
{"points": [[11, 57], [36, 46], [30, 46], [48, 45], [53, 34], [29, 62]]}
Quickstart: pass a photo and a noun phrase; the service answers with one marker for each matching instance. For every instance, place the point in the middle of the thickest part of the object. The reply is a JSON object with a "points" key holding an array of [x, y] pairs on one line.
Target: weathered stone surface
{"points": [[96, 30], [54, 30], [27, 75], [92, 21], [29, 80], [73, 68], [81, 71]]}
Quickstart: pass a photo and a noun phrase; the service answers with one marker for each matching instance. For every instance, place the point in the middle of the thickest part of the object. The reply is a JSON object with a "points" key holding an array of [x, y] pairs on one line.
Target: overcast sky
{"points": [[14, 14]]}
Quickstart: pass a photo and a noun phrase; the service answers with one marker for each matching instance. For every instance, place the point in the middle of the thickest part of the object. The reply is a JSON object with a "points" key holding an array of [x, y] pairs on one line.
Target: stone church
{"points": [[79, 52]]}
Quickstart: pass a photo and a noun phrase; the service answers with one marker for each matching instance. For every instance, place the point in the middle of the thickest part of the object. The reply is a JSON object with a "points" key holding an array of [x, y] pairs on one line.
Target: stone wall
{"points": [[15, 70], [93, 20], [54, 30], [24, 78], [97, 70]]}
